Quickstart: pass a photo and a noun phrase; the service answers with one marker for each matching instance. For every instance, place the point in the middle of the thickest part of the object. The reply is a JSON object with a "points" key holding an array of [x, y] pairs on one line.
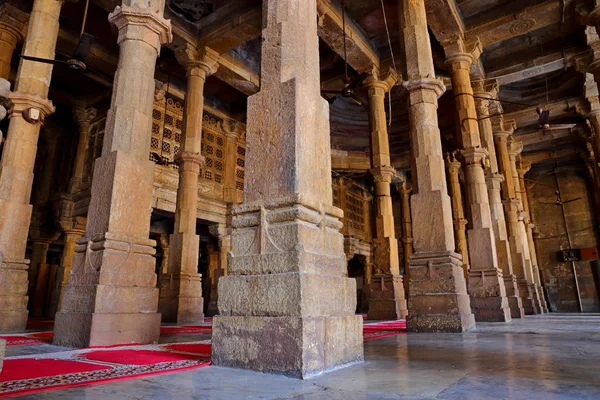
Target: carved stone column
{"points": [[494, 180], [485, 283], [73, 229], [18, 159], [39, 252], [287, 286], [405, 190], [514, 151], [223, 233], [13, 27], [522, 168], [181, 288], [458, 212], [438, 299], [83, 118], [387, 300], [114, 260], [503, 130]]}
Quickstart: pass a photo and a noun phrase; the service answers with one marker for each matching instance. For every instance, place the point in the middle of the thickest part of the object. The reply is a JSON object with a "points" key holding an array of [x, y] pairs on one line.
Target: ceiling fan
{"points": [[559, 201], [544, 122], [77, 61], [350, 84]]}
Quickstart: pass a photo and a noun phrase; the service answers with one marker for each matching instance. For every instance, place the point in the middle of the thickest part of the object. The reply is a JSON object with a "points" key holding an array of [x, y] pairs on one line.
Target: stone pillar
{"points": [[2, 352], [503, 130], [181, 287], [486, 282], [223, 234], [13, 27], [407, 238], [73, 229], [387, 300], [39, 253], [287, 305], [514, 151], [438, 299], [522, 168], [114, 260], [458, 212], [18, 159], [494, 180], [83, 118]]}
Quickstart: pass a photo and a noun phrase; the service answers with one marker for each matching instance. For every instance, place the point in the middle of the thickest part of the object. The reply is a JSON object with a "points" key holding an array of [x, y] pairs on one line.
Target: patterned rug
{"points": [[30, 374]]}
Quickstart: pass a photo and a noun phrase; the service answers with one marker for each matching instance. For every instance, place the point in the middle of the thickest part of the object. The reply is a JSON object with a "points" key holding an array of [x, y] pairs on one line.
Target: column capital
{"points": [[383, 174], [188, 157], [23, 101], [419, 89], [459, 51], [129, 19], [197, 61], [452, 163], [219, 230], [504, 128], [474, 155], [515, 147], [14, 21], [404, 187], [74, 225], [386, 84], [495, 178], [523, 167], [82, 115]]}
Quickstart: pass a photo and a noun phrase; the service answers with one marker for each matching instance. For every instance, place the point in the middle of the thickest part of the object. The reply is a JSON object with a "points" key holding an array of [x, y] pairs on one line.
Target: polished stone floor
{"points": [[538, 358]]}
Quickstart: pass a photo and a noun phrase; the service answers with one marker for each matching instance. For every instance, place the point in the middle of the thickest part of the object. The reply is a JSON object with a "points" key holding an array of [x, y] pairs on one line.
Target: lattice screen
{"points": [[213, 150], [167, 122]]}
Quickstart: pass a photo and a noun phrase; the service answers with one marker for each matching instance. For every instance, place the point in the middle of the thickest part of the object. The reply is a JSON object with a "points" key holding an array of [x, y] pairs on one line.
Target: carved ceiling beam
{"points": [[342, 160], [539, 157], [238, 75], [230, 26], [444, 19], [362, 55], [520, 23], [529, 116], [536, 67]]}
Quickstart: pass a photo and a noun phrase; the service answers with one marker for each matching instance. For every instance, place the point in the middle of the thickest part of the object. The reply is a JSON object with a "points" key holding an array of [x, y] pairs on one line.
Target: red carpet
{"points": [[69, 369], [21, 340], [185, 330], [383, 329], [197, 348]]}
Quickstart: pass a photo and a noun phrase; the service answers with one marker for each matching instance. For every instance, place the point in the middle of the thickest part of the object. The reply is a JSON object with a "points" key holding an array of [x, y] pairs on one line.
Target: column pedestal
{"points": [[386, 298], [515, 302], [181, 299]]}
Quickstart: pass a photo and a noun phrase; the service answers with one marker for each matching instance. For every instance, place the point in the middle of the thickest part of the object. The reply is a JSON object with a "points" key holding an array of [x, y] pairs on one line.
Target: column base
{"points": [[438, 299], [2, 352], [13, 294], [387, 301], [96, 329], [299, 347], [543, 299], [111, 297], [514, 300], [181, 299], [533, 288], [527, 297], [488, 296]]}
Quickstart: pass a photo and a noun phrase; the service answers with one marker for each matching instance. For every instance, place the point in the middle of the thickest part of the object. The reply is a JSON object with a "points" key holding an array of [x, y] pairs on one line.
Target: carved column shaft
{"points": [[83, 118], [13, 26], [460, 223], [407, 237], [287, 281], [115, 257], [18, 159], [433, 236], [485, 277]]}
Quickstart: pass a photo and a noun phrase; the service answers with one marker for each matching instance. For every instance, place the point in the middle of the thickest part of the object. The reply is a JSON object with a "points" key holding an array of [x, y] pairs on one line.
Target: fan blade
{"points": [[544, 117], [42, 60], [359, 81], [330, 91], [357, 99], [559, 127], [572, 200], [332, 100], [82, 51]]}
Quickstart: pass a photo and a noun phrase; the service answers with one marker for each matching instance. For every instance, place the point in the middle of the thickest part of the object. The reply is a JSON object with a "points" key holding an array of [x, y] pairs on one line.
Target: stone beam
{"points": [[444, 19], [529, 116], [520, 23], [538, 136], [238, 75], [538, 157], [230, 26], [362, 55], [536, 67]]}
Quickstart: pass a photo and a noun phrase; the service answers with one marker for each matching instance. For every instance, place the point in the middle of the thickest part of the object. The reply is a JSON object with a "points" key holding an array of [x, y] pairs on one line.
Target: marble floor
{"points": [[538, 358]]}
